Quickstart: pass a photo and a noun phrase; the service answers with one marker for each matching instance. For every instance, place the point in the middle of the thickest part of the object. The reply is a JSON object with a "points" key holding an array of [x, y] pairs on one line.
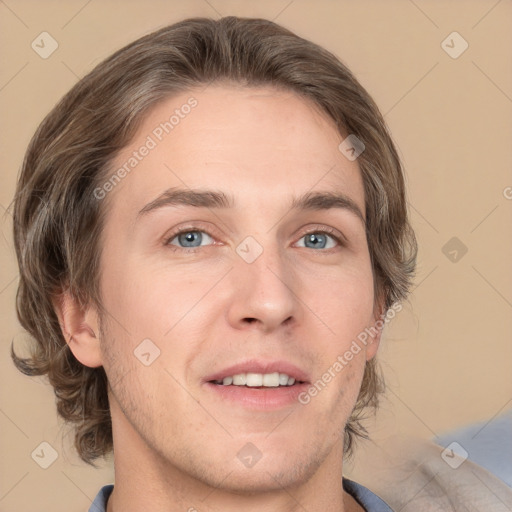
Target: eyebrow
{"points": [[318, 200]]}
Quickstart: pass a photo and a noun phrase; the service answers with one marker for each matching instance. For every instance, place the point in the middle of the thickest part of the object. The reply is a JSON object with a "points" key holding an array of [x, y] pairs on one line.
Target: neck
{"points": [[145, 480]]}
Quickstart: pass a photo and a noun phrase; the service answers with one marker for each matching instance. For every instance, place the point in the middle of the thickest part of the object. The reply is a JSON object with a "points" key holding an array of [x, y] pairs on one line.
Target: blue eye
{"points": [[319, 240], [190, 239]]}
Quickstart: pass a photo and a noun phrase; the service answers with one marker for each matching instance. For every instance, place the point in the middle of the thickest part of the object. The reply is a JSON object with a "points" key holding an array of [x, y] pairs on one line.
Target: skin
{"points": [[175, 443]]}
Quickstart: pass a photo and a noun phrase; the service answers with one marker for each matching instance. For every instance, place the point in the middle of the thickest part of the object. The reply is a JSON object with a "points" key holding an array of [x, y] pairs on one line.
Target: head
{"points": [[248, 110]]}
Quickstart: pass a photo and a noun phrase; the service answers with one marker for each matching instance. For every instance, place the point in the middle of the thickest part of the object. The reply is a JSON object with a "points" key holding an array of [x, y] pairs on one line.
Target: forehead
{"points": [[261, 143]]}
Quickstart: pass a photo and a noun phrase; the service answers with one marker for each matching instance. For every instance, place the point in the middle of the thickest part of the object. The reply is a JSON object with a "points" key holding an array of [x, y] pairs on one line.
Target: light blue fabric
{"points": [[366, 498], [489, 444]]}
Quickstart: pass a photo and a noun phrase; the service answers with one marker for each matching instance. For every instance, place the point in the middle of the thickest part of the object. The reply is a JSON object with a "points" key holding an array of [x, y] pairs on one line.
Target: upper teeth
{"points": [[271, 380]]}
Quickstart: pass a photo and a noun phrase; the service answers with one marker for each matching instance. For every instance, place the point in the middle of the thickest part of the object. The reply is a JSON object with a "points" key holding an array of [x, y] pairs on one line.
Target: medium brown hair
{"points": [[58, 219]]}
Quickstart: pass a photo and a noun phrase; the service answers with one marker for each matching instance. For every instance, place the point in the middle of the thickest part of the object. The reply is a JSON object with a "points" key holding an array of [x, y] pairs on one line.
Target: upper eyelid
{"points": [[188, 229]]}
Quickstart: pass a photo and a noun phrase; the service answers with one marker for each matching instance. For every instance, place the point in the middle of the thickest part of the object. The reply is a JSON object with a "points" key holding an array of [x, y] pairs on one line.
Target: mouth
{"points": [[259, 385], [258, 380], [257, 373]]}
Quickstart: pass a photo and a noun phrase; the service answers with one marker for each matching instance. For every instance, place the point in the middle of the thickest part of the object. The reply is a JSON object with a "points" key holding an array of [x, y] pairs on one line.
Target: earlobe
{"points": [[79, 327]]}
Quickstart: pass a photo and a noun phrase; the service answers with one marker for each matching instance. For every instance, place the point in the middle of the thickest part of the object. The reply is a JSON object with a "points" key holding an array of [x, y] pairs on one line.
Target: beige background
{"points": [[447, 355]]}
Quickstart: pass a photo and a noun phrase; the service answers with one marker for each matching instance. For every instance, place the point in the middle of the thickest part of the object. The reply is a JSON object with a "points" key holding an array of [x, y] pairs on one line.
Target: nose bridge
{"points": [[264, 286]]}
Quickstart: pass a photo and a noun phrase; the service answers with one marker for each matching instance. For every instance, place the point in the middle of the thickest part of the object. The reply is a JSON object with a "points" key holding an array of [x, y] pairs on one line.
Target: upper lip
{"points": [[260, 366]]}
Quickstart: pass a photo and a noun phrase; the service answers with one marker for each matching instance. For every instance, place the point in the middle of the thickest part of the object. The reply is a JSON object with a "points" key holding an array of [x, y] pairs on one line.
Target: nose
{"points": [[265, 294]]}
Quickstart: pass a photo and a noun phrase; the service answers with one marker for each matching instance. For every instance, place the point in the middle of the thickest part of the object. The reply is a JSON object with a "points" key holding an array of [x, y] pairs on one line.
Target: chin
{"points": [[265, 478]]}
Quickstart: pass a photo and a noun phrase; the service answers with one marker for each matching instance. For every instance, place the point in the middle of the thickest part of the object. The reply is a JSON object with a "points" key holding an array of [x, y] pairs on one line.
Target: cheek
{"points": [[342, 298], [149, 301]]}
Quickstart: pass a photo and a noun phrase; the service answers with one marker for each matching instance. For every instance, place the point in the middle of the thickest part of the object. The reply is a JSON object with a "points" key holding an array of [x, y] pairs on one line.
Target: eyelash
{"points": [[190, 229]]}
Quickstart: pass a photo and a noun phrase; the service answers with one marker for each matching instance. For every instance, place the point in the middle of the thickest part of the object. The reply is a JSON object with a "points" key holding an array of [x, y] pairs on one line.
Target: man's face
{"points": [[284, 289]]}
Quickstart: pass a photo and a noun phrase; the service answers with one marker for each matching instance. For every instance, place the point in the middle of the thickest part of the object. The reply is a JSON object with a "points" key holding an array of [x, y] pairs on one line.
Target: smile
{"points": [[254, 380]]}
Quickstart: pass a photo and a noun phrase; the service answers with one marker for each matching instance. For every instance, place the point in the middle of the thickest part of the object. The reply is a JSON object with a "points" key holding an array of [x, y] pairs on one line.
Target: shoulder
{"points": [[413, 474]]}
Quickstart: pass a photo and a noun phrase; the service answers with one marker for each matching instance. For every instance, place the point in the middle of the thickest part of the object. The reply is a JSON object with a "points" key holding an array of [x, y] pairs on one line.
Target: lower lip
{"points": [[262, 399]]}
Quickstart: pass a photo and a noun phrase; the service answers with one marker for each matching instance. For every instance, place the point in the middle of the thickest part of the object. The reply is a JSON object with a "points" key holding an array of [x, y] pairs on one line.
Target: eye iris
{"points": [[194, 239], [315, 240], [187, 239]]}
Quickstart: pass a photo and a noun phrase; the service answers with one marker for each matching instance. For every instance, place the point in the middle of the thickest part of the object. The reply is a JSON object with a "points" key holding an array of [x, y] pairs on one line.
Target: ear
{"points": [[376, 329], [80, 328]]}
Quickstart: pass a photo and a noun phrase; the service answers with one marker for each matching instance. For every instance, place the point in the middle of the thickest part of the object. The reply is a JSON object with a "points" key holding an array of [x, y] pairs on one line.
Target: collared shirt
{"points": [[369, 501]]}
